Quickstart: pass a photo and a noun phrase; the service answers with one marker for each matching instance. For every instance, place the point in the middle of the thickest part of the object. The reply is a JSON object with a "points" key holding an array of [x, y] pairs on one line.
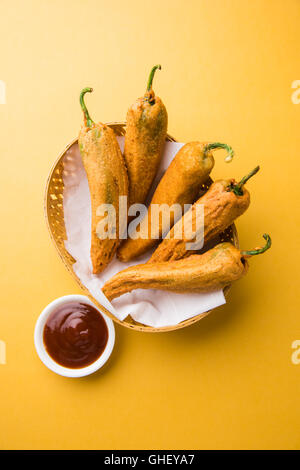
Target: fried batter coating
{"points": [[146, 130], [211, 271], [208, 272], [223, 203], [180, 185], [107, 178]]}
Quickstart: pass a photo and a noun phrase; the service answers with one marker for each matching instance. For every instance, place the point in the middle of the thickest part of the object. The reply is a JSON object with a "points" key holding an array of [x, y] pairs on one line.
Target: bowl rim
{"points": [[47, 359]]}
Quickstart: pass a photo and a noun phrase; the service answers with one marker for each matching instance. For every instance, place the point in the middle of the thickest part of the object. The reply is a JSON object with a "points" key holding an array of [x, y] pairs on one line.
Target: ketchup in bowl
{"points": [[75, 335]]}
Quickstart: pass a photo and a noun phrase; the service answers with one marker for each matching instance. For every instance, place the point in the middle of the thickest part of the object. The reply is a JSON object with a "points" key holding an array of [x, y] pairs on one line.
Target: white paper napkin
{"points": [[150, 307]]}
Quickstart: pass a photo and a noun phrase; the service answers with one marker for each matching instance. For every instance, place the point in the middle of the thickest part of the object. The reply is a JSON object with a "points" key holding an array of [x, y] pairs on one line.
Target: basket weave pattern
{"points": [[55, 221]]}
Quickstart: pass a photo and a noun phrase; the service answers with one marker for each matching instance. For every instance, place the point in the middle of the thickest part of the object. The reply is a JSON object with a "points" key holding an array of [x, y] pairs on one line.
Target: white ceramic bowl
{"points": [[43, 354]]}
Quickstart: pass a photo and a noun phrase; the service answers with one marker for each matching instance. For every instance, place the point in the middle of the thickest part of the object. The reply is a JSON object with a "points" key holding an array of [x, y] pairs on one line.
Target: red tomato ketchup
{"points": [[75, 335]]}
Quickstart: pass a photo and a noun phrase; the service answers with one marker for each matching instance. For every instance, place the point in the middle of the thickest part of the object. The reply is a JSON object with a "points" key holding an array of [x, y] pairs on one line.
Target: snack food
{"points": [[146, 131], [224, 201], [107, 179], [180, 185], [208, 272]]}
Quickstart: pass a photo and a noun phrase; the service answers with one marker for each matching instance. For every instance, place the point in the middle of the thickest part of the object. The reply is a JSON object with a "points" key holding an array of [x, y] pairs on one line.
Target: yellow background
{"points": [[227, 69]]}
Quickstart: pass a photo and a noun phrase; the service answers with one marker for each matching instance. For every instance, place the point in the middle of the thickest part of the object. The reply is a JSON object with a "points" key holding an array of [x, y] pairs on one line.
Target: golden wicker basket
{"points": [[55, 221]]}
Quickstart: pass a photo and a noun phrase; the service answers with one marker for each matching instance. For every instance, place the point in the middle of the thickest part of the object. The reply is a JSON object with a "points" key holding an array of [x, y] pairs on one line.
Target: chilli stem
{"points": [[151, 76], [258, 251], [218, 145], [88, 121]]}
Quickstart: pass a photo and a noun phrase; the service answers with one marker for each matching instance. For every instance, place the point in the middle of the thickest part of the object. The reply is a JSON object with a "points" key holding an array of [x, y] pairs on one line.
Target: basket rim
{"points": [[132, 326]]}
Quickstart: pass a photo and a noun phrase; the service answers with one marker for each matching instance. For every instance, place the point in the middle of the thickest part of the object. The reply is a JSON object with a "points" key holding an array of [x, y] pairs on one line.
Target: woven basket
{"points": [[55, 221]]}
